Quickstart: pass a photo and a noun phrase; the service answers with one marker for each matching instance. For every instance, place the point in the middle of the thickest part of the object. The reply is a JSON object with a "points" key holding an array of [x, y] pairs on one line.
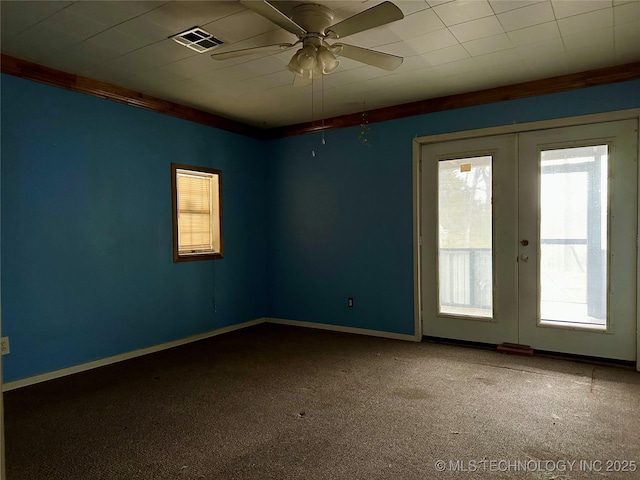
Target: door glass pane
{"points": [[465, 280], [573, 235]]}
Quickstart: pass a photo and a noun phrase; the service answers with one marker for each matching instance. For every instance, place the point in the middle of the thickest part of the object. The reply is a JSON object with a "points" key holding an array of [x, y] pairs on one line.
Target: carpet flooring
{"points": [[279, 402]]}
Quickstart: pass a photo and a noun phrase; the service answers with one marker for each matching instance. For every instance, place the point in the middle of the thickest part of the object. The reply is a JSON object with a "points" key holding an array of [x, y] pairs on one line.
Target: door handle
{"points": [[524, 258]]}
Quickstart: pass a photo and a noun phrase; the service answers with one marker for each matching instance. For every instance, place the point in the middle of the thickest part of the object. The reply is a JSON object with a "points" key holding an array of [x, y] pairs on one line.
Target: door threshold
{"points": [[605, 362], [515, 349]]}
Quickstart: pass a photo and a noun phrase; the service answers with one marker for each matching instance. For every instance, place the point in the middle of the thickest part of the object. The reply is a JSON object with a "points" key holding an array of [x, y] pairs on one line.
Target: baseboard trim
{"points": [[25, 382], [340, 328], [125, 356]]}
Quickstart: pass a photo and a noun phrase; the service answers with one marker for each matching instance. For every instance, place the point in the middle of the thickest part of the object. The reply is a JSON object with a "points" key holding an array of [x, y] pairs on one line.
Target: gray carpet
{"points": [[276, 402]]}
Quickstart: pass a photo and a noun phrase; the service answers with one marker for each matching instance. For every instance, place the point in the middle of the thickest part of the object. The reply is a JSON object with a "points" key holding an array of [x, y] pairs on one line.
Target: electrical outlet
{"points": [[4, 345], [350, 302]]}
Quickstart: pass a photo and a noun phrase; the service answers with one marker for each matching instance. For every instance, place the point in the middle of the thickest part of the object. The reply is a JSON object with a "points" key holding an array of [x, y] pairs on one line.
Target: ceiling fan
{"points": [[312, 24]]}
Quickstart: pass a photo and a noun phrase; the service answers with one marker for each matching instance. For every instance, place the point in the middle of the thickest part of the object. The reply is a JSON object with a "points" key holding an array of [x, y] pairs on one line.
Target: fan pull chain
{"points": [[322, 106], [364, 126], [313, 152]]}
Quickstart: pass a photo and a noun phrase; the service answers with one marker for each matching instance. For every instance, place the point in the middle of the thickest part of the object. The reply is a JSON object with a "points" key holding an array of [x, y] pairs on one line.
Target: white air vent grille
{"points": [[197, 39]]}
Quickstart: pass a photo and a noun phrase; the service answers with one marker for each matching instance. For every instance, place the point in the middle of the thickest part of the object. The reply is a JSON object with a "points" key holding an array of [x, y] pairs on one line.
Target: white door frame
{"points": [[418, 142]]}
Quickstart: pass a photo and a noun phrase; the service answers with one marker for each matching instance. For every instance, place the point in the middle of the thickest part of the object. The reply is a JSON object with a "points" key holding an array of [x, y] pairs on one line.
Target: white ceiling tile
{"points": [[166, 51], [24, 52], [629, 12], [79, 57], [628, 33], [486, 45], [162, 53], [467, 83], [463, 11], [99, 53], [145, 30], [240, 26], [483, 27], [156, 77], [590, 58], [627, 41], [278, 79], [432, 41], [465, 65], [412, 63], [266, 65], [551, 69], [207, 11], [346, 77], [537, 33], [500, 6], [550, 51], [74, 23], [408, 6], [372, 38], [417, 24], [195, 65], [397, 48], [601, 38], [112, 13], [127, 65], [446, 55], [107, 73], [186, 88], [567, 8], [117, 40], [174, 17], [586, 22], [526, 16], [226, 76], [45, 39], [510, 75], [18, 16], [434, 3], [67, 63], [502, 60]]}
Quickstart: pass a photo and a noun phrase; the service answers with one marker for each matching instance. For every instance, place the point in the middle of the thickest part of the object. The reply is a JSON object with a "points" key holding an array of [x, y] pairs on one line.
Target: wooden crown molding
{"points": [[533, 88], [77, 83]]}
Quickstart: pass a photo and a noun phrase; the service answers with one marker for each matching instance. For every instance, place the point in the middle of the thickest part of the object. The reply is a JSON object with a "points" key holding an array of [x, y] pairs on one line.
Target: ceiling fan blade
{"points": [[386, 61], [251, 51], [268, 11], [373, 17]]}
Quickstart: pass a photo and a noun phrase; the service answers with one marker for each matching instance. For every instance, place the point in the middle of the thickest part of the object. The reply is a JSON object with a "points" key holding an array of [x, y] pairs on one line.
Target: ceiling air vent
{"points": [[197, 39]]}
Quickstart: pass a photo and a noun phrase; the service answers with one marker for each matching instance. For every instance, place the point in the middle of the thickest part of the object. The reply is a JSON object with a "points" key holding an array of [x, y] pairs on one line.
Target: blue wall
{"points": [[343, 219], [85, 275], [87, 269]]}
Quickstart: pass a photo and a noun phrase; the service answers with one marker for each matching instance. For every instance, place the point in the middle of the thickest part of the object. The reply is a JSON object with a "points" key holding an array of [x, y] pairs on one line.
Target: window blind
{"points": [[195, 207]]}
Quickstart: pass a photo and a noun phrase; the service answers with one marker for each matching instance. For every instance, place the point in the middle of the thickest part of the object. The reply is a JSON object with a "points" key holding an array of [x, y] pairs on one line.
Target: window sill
{"points": [[190, 257]]}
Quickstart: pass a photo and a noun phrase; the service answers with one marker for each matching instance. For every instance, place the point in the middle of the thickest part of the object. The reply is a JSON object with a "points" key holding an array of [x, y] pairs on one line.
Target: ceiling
{"points": [[449, 47]]}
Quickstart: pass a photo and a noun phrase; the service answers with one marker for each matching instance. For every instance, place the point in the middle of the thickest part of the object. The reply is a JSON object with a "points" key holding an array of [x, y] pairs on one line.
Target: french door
{"points": [[530, 238]]}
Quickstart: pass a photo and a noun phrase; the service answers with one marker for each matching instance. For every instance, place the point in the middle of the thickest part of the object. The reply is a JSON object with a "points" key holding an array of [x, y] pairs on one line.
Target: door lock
{"points": [[524, 242]]}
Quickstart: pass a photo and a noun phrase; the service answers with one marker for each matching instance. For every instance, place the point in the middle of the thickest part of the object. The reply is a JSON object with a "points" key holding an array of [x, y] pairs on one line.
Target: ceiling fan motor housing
{"points": [[313, 18]]}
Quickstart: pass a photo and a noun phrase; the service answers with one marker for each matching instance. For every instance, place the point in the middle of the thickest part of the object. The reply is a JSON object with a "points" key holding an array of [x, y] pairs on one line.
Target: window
{"points": [[465, 236], [197, 213]]}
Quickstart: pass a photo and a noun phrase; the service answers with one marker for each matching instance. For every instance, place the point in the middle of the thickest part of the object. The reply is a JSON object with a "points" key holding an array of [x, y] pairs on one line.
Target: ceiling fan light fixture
{"points": [[306, 57], [327, 60], [294, 66]]}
